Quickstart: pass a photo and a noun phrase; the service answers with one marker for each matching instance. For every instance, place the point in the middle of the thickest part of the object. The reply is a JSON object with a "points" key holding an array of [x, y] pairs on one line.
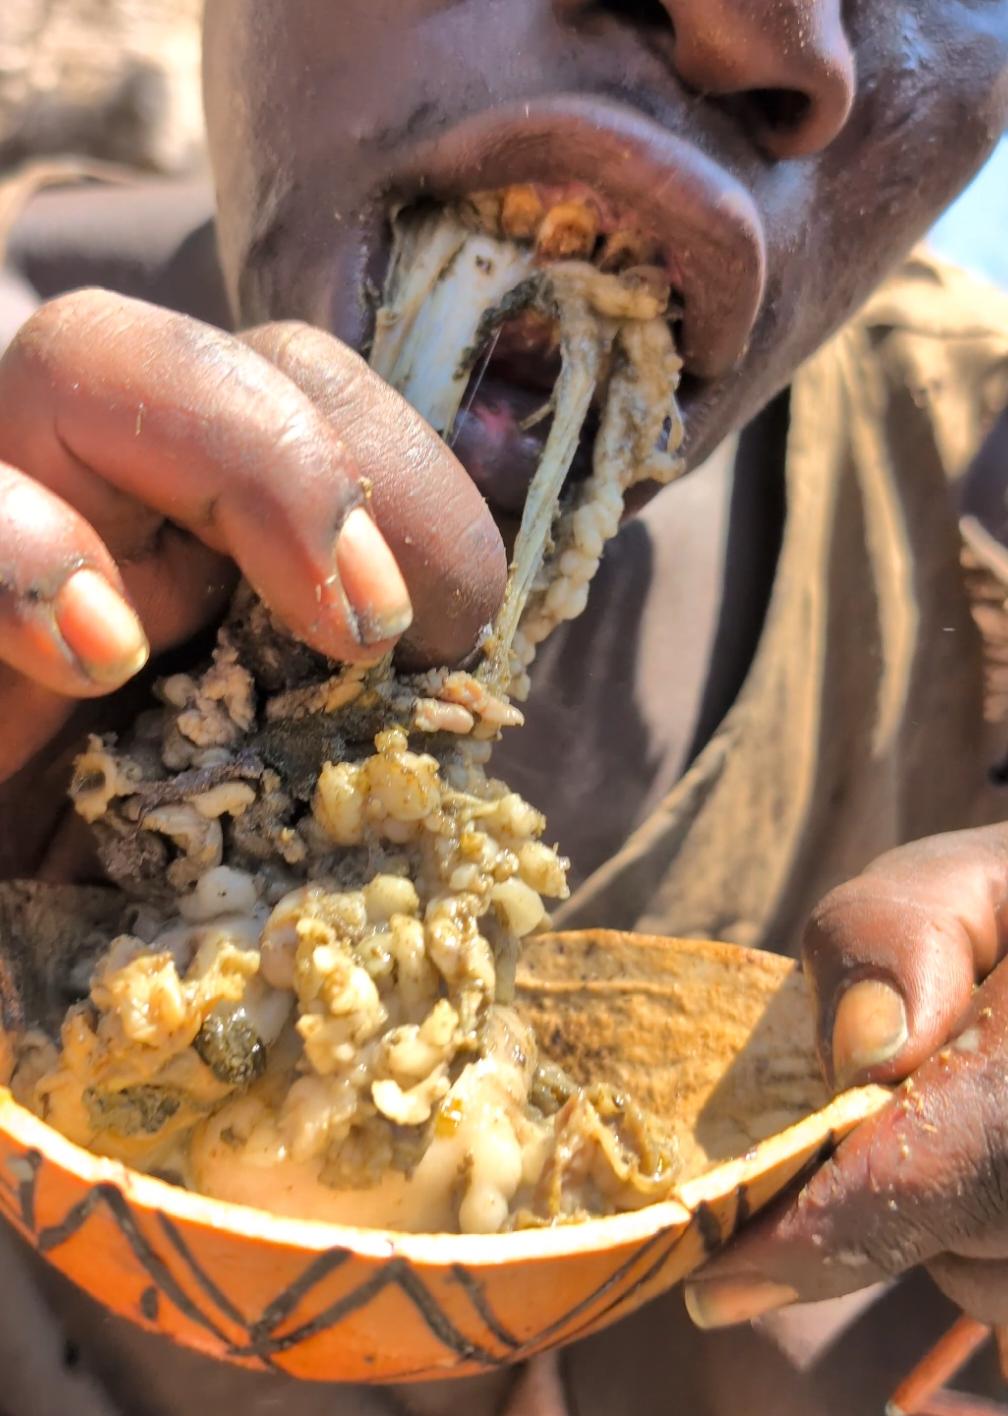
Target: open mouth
{"points": [[473, 288], [580, 178], [711, 233], [506, 413], [558, 377]]}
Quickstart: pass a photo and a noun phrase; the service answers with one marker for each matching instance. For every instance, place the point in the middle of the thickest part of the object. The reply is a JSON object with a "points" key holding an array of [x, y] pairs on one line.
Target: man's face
{"points": [[788, 152]]}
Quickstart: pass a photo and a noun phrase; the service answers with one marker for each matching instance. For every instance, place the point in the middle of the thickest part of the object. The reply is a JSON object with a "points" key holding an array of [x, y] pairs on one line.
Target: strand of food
{"points": [[308, 1008]]}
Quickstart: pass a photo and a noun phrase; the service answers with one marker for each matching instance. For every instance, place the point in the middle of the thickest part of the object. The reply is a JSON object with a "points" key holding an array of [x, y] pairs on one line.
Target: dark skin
{"points": [[789, 155], [928, 924]]}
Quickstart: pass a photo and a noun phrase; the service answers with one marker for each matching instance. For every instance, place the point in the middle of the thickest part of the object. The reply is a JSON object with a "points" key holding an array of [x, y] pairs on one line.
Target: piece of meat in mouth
{"points": [[505, 416]]}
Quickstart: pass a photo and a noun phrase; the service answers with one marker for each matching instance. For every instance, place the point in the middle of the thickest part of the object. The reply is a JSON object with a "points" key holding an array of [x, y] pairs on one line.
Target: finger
{"points": [[437, 523], [179, 587], [191, 423], [75, 625], [65, 617], [892, 956], [980, 1288], [32, 715], [926, 1176]]}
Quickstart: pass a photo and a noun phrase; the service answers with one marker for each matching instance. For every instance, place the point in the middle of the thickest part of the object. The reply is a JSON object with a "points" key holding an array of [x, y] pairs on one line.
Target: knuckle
{"points": [[982, 1208], [892, 1249], [357, 381], [298, 349], [35, 335], [957, 1147], [978, 1207], [278, 342], [982, 1204]]}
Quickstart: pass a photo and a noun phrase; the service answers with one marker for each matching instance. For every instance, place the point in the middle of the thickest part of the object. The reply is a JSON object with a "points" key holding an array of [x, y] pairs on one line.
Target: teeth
{"points": [[623, 249], [568, 232], [521, 213], [482, 212]]}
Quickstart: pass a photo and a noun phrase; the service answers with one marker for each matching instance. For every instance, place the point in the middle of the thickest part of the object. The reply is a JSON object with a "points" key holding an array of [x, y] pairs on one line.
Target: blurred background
{"points": [[119, 80], [974, 231], [111, 79]]}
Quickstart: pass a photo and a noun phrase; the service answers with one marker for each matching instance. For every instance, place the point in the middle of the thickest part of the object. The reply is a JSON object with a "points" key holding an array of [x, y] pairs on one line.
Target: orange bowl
{"points": [[730, 1047]]}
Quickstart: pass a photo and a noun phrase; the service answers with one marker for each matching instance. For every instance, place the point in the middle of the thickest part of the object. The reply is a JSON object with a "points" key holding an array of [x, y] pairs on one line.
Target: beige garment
{"points": [[860, 724]]}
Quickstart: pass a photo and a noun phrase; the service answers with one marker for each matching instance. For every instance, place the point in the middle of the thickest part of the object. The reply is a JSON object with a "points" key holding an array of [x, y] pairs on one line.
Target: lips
{"points": [[686, 216], [707, 221]]}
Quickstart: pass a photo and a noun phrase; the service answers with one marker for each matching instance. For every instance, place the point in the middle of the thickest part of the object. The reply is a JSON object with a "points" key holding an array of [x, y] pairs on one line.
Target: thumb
{"points": [[924, 1177], [893, 956]]}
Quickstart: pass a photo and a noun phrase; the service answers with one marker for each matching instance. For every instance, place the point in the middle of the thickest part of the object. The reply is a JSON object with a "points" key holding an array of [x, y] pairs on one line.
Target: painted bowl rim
{"points": [[244, 1222]]}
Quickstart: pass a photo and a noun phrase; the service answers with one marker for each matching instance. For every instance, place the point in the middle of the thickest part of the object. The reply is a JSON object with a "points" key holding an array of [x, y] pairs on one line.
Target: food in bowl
{"points": [[308, 1006]]}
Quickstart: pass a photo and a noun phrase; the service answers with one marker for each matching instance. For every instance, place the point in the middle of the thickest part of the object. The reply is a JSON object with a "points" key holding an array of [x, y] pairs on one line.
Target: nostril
{"points": [[777, 118], [799, 122], [780, 110], [647, 14], [787, 122]]}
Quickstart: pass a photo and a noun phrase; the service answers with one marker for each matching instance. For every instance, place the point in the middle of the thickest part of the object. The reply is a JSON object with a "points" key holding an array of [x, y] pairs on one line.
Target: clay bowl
{"points": [[716, 1035]]}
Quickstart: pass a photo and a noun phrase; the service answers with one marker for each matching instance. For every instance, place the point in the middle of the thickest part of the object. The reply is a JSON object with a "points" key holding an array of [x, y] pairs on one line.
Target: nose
{"points": [[786, 65], [789, 58]]}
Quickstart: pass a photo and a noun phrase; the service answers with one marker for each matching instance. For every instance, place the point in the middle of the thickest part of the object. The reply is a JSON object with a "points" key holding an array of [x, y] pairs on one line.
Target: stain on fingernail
{"points": [[371, 580], [100, 629], [374, 628], [723, 1302], [870, 1028]]}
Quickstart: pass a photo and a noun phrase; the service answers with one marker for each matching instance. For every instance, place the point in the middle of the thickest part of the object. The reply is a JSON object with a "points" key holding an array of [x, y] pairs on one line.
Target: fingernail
{"points": [[100, 629], [371, 580], [870, 1027], [722, 1302]]}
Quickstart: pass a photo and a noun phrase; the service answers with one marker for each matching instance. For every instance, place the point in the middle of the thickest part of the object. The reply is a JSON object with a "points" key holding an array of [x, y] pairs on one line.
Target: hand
{"points": [[894, 959], [144, 456]]}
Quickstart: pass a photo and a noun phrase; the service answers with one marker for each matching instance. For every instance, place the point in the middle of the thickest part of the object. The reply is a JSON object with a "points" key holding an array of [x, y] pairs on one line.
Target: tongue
{"points": [[498, 453], [448, 291]]}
